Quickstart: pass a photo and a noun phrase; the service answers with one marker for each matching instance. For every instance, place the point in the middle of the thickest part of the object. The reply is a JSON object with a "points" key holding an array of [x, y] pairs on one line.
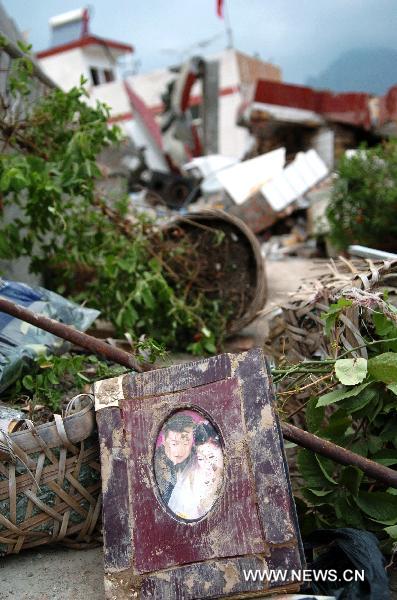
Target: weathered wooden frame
{"points": [[149, 553]]}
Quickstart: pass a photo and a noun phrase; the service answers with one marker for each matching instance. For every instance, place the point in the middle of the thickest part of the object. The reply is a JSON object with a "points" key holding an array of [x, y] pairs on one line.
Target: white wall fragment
{"points": [[305, 171]]}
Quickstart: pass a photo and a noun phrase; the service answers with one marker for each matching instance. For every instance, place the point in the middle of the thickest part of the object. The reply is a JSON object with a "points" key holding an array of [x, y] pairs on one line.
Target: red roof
{"points": [[351, 108], [89, 40]]}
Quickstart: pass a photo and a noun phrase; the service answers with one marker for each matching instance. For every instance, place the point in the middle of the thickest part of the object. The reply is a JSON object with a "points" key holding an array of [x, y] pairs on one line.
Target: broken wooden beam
{"points": [[68, 333]]}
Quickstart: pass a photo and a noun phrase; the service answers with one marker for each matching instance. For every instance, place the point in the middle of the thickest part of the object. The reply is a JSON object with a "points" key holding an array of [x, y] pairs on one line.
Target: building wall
{"points": [[233, 140], [101, 58], [323, 141], [251, 69], [66, 69], [150, 86], [113, 94], [228, 68]]}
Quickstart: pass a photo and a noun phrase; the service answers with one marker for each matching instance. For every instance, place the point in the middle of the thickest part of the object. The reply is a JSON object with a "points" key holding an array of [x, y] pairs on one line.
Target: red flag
{"points": [[219, 8]]}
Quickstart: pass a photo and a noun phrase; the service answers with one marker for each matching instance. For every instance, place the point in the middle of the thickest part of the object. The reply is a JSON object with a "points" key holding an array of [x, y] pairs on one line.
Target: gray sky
{"points": [[302, 36]]}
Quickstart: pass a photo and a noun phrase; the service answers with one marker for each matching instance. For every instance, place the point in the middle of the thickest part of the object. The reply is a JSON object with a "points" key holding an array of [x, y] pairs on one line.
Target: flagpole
{"points": [[228, 26]]}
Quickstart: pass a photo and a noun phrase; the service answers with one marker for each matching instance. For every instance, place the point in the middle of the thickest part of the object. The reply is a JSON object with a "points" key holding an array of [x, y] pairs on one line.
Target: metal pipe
{"points": [[366, 252], [339, 454], [72, 335]]}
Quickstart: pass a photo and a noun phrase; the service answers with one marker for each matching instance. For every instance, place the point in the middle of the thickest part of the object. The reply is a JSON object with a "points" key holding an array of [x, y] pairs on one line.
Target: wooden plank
{"points": [[150, 552], [266, 453], [179, 377], [116, 525], [212, 579]]}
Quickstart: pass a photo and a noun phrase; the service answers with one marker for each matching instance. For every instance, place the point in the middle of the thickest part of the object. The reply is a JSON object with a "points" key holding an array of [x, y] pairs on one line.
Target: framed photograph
{"points": [[196, 495]]}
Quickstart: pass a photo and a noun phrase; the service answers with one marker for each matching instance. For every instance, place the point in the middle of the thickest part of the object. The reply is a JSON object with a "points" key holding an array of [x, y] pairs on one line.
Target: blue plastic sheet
{"points": [[20, 342]]}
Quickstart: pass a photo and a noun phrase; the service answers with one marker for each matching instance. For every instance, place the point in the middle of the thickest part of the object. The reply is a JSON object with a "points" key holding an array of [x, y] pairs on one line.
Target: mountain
{"points": [[372, 70]]}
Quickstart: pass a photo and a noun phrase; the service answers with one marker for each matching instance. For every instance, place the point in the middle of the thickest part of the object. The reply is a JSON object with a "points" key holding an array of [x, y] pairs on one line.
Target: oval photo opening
{"points": [[188, 464]]}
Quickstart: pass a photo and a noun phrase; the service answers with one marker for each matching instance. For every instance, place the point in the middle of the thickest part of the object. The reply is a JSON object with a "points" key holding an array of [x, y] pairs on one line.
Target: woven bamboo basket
{"points": [[298, 333], [50, 482]]}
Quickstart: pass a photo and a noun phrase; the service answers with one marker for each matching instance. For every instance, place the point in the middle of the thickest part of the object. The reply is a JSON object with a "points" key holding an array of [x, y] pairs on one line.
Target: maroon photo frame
{"points": [[150, 552]]}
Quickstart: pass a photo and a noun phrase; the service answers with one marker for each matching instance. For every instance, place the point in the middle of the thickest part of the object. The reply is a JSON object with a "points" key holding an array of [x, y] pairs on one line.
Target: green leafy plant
{"points": [[98, 252], [57, 378], [353, 404], [363, 207]]}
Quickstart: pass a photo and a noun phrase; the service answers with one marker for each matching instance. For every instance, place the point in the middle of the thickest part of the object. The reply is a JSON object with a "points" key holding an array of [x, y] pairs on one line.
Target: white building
{"points": [[74, 51]]}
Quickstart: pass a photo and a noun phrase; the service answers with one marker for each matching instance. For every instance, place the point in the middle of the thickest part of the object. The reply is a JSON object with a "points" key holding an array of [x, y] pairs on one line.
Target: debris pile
{"points": [[298, 327], [162, 237]]}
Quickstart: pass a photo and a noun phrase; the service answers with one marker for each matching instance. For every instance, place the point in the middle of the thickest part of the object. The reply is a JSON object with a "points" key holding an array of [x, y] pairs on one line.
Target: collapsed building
{"points": [[75, 51], [299, 118]]}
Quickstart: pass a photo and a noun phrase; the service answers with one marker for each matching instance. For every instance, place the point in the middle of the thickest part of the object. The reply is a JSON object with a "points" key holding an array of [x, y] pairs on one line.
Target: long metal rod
{"points": [[339, 454], [290, 432], [72, 335]]}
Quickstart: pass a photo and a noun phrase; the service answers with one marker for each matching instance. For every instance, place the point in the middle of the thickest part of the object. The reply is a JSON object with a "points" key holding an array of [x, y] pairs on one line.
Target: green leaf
{"points": [[326, 468], [351, 478], [379, 506], [83, 378], [331, 316], [388, 433], [311, 471], [374, 444], [392, 531], [209, 346], [351, 371], [338, 395], [314, 416], [338, 423], [148, 298], [393, 388], [337, 307], [52, 378], [289, 445], [348, 514], [316, 499], [384, 367], [360, 447], [320, 493], [384, 327], [358, 402], [386, 457], [28, 382], [24, 46]]}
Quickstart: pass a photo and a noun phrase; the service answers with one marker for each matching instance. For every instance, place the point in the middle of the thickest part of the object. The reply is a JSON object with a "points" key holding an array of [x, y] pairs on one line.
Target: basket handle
{"points": [[77, 405]]}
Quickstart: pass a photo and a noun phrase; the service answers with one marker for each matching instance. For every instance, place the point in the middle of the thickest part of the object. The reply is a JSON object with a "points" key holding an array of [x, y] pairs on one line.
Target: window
{"points": [[109, 75], [94, 76], [99, 76]]}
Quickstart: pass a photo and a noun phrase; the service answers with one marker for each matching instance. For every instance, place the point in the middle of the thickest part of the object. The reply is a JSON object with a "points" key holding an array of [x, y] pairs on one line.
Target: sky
{"points": [[301, 36]]}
